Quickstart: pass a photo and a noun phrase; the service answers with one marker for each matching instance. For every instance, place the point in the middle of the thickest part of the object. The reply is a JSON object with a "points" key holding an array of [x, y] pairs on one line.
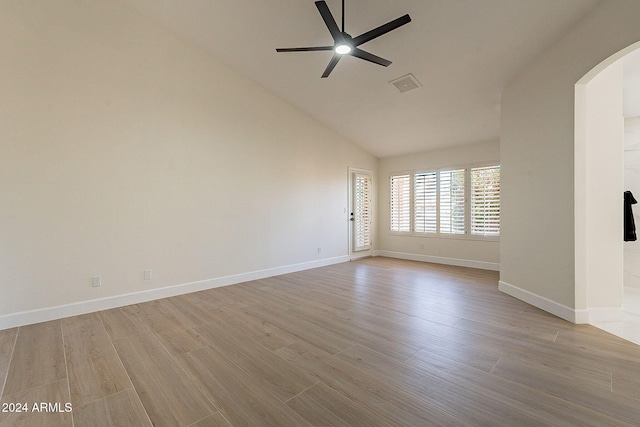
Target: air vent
{"points": [[406, 83]]}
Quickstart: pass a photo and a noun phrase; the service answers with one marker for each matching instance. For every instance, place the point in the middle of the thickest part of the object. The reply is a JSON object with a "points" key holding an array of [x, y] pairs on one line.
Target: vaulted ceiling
{"points": [[463, 52]]}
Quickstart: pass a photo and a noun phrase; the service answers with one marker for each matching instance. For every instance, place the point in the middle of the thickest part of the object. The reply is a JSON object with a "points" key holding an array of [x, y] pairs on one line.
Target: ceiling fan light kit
{"points": [[344, 44], [343, 49]]}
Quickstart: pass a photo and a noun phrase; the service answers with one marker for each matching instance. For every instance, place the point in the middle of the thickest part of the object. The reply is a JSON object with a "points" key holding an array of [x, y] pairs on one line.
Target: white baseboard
{"points": [[581, 317], [607, 314], [83, 307], [588, 316], [557, 309], [483, 265]]}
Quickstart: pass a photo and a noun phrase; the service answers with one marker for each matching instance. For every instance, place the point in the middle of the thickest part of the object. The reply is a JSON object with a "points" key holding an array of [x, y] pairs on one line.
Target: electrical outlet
{"points": [[319, 250], [147, 275], [96, 281], [421, 245]]}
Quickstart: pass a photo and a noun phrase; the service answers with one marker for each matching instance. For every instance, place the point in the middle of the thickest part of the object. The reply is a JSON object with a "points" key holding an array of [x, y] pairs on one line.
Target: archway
{"points": [[599, 185]]}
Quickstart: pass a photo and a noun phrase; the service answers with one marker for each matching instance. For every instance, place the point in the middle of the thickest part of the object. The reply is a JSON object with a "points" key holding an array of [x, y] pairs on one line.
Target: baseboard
{"points": [[607, 314], [483, 265], [83, 307], [581, 317], [557, 309], [356, 257]]}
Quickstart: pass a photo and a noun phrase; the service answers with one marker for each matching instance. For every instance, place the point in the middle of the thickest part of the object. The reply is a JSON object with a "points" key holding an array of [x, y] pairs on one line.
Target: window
{"points": [[439, 202], [401, 203], [425, 201], [452, 201], [485, 201], [447, 202]]}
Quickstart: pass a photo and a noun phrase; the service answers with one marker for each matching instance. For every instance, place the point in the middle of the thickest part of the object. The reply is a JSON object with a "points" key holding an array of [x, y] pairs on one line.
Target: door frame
{"points": [[369, 252]]}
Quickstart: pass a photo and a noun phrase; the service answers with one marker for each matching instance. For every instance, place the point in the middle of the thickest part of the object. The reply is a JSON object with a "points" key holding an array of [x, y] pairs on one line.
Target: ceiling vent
{"points": [[406, 83]]}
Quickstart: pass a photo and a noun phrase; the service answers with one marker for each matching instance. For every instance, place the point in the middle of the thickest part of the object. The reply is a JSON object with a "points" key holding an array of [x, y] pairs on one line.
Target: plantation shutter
{"points": [[452, 201], [362, 208], [425, 202], [485, 201], [401, 203]]}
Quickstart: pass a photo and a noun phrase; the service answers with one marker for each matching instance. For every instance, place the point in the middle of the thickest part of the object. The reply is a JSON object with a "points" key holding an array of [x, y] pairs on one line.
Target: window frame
{"points": [[402, 174], [467, 235], [413, 203], [478, 236]]}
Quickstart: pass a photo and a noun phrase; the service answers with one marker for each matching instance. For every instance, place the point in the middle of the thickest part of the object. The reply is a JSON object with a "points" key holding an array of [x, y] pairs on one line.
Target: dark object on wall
{"points": [[629, 224]]}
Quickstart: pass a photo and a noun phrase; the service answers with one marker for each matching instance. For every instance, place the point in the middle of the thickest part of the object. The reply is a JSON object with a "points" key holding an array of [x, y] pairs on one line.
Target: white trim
{"points": [[58, 312], [557, 309], [581, 317], [440, 260], [607, 314]]}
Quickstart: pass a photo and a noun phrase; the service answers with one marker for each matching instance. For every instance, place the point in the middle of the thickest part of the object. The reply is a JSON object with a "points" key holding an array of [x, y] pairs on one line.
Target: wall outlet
{"points": [[421, 245], [96, 281], [319, 250], [147, 275]]}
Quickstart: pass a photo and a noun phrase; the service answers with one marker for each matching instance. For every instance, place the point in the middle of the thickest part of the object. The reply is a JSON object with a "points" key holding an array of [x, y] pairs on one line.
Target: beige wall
{"points": [[125, 149], [479, 253], [537, 140]]}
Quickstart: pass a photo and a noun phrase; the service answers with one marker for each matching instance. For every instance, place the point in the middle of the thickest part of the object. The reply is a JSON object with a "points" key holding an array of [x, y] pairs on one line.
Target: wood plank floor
{"points": [[375, 342]]}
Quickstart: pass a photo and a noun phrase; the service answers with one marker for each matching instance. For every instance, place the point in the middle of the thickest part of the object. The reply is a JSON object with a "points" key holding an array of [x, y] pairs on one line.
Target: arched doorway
{"points": [[599, 186]]}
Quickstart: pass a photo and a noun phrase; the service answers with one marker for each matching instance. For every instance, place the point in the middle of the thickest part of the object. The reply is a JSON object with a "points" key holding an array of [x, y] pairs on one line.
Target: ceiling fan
{"points": [[344, 44]]}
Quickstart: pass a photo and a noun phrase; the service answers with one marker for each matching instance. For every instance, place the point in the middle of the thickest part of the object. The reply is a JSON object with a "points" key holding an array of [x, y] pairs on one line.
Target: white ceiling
{"points": [[464, 52]]}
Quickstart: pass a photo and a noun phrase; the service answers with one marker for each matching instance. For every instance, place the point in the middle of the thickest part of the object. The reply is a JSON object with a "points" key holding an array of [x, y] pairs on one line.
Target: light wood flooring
{"points": [[375, 342]]}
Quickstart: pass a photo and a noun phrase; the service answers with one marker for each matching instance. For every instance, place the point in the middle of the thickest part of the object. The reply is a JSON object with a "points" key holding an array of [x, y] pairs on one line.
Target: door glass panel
{"points": [[361, 212]]}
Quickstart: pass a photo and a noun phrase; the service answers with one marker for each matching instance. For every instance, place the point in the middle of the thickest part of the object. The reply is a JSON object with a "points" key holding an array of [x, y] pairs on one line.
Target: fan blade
{"points": [[382, 29], [303, 49], [332, 65], [328, 20], [359, 53]]}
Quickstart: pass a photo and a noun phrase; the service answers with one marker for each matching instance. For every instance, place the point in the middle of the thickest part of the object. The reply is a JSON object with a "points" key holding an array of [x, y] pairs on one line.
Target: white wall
{"points": [[477, 253], [632, 183], [124, 149], [537, 251], [599, 192]]}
